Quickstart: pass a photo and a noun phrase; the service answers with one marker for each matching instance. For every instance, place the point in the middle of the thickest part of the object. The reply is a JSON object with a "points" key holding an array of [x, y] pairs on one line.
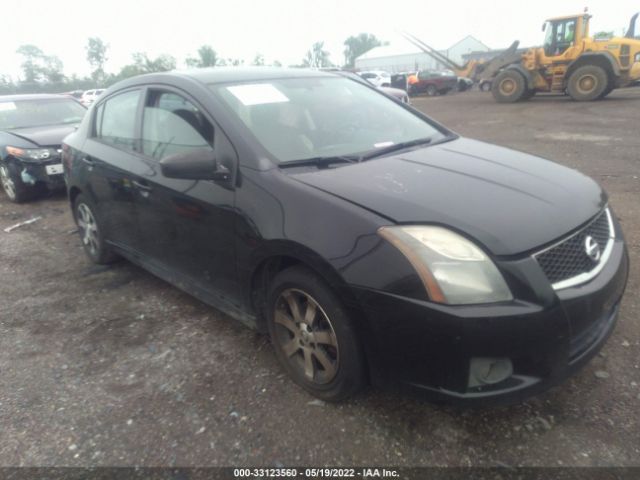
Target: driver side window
{"points": [[172, 124]]}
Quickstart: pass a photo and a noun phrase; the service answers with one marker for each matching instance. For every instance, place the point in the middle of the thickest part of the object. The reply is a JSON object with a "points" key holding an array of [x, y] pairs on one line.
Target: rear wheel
{"points": [[91, 232], [17, 191], [313, 337], [509, 86], [610, 86], [587, 83], [432, 91]]}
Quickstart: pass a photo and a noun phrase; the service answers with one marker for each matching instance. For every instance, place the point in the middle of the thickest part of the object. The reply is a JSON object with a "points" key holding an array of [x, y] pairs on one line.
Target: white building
{"points": [[407, 57]]}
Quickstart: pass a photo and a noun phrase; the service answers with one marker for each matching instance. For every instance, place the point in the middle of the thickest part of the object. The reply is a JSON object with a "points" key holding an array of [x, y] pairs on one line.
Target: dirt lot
{"points": [[111, 366]]}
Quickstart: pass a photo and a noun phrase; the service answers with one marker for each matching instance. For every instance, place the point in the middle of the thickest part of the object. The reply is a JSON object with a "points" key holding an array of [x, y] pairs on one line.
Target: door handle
{"points": [[142, 186], [88, 161]]}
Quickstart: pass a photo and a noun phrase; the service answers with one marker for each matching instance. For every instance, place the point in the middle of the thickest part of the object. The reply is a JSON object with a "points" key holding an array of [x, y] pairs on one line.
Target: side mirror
{"points": [[196, 164]]}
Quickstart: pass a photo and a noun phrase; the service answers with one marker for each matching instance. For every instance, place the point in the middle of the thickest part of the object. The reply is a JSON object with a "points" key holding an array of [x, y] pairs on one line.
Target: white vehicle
{"points": [[379, 78], [90, 96]]}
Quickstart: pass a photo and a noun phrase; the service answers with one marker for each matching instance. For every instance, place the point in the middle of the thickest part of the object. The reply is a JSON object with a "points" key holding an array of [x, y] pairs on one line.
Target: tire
{"points": [[432, 91], [91, 232], [529, 94], [485, 87], [312, 335], [15, 189], [608, 89], [509, 86], [587, 83]]}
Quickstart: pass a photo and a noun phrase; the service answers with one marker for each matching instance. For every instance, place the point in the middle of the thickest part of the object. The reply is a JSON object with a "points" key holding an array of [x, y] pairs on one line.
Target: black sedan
{"points": [[31, 130], [370, 242]]}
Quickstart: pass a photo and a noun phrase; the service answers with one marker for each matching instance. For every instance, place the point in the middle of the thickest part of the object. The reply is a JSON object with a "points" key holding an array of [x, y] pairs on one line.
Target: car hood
{"points": [[45, 136], [509, 201]]}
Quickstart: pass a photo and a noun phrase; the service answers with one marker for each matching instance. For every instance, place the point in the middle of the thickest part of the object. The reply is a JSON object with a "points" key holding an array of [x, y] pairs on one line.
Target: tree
{"points": [[358, 45], [603, 35], [38, 67], [97, 57], [207, 57], [232, 62], [317, 57], [32, 62], [143, 64], [258, 60], [52, 70]]}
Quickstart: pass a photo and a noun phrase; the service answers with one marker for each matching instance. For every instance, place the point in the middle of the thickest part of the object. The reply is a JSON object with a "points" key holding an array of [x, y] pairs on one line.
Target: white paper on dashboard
{"points": [[257, 94]]}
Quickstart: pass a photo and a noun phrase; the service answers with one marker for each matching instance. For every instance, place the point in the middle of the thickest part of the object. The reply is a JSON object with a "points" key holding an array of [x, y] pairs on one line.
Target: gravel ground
{"points": [[112, 366]]}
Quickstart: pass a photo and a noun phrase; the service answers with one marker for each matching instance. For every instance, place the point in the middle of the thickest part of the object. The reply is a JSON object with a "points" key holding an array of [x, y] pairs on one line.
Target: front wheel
{"points": [[15, 189], [509, 86], [432, 90], [91, 232], [314, 339]]}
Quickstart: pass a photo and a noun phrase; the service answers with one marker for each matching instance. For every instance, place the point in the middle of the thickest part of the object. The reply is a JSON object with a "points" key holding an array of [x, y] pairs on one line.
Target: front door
{"points": [[187, 225]]}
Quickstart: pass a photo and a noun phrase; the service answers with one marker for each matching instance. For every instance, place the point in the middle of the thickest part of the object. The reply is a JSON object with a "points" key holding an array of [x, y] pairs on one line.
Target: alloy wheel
{"points": [[7, 182], [306, 337], [88, 229]]}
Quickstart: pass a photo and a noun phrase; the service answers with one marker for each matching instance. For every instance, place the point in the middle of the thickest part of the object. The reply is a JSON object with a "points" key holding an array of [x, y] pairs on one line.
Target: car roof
{"points": [[31, 96], [232, 74]]}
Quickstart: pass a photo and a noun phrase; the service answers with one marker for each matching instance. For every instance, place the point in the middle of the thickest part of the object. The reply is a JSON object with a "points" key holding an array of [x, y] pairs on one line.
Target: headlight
{"points": [[452, 269], [37, 154]]}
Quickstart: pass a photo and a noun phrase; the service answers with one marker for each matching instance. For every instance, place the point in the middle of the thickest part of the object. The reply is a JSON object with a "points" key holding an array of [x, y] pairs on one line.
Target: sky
{"points": [[280, 30]]}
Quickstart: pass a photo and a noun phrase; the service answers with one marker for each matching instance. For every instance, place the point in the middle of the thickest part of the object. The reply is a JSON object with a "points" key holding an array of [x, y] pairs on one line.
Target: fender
{"points": [[525, 73], [593, 58]]}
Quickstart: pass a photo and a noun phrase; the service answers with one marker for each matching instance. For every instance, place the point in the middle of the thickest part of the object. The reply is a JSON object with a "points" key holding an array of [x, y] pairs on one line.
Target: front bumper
{"points": [[37, 172], [429, 347]]}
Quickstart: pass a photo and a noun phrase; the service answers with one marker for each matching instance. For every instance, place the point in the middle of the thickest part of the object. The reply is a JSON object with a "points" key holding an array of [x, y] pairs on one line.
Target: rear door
{"points": [[111, 165], [187, 225]]}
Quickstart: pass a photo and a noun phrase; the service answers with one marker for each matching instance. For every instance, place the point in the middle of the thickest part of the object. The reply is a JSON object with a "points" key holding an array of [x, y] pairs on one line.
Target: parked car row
{"points": [[371, 243]]}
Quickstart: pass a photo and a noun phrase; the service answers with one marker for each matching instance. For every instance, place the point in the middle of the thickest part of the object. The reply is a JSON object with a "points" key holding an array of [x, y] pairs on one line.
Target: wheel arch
{"points": [[524, 72], [278, 255], [73, 194], [281, 255], [604, 60]]}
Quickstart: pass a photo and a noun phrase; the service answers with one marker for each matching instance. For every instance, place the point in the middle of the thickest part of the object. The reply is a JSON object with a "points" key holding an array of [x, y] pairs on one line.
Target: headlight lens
{"points": [[452, 268], [31, 153]]}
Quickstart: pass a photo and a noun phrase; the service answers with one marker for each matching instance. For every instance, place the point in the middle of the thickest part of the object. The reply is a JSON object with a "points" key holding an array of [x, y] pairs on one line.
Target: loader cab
{"points": [[563, 33]]}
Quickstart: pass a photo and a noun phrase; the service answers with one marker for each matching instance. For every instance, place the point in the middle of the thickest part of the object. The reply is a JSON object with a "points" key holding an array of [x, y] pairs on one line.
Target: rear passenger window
{"points": [[172, 124], [116, 120]]}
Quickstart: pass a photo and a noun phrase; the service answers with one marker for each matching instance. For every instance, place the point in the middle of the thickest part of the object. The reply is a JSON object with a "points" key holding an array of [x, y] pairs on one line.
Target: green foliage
{"points": [[97, 57], [38, 67], [258, 60], [207, 57], [603, 35], [358, 45], [317, 57]]}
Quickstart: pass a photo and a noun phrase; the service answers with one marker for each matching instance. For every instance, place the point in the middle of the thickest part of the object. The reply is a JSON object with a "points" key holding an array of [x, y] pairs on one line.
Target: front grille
{"points": [[569, 259]]}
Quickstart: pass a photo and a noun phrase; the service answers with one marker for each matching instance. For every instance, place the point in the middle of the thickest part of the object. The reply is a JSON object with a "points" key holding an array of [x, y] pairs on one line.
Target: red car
{"points": [[431, 82]]}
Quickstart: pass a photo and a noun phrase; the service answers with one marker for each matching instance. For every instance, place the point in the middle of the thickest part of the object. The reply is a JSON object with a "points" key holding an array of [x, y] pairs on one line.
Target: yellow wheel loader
{"points": [[569, 62]]}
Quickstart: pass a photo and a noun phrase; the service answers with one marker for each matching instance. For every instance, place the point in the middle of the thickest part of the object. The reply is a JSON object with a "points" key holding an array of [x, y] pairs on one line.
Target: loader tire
{"points": [[509, 86], [587, 83]]}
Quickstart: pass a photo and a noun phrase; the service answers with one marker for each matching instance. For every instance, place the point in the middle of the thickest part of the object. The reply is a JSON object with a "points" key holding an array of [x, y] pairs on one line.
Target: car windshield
{"points": [[300, 118], [38, 112]]}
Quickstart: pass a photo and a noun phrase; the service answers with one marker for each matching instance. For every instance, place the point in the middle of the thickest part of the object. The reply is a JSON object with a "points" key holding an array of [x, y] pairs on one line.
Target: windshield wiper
{"points": [[393, 148], [320, 162]]}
